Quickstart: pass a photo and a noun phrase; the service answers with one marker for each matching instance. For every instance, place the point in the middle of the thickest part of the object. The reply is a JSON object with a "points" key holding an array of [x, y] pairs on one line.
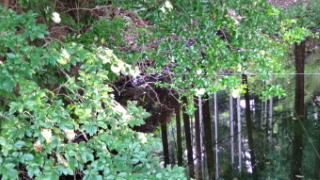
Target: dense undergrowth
{"points": [[60, 61]]}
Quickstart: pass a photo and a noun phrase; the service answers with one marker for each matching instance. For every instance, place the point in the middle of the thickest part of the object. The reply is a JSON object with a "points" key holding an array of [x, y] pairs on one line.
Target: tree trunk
{"points": [[197, 103], [179, 140], [296, 154], [187, 130], [165, 144], [249, 127], [208, 139]]}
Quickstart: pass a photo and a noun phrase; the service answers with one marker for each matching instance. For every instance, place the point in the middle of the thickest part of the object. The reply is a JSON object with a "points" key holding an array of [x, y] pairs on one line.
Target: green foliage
{"points": [[292, 33], [299, 21], [19, 59], [50, 88], [216, 45], [305, 13], [105, 32], [273, 91], [44, 96], [43, 8]]}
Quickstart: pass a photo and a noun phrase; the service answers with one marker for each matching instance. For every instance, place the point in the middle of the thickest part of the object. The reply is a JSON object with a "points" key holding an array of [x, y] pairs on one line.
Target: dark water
{"points": [[272, 140], [272, 131]]}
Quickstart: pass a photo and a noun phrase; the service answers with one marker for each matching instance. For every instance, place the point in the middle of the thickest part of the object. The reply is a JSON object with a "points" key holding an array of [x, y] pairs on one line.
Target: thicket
{"points": [[60, 61]]}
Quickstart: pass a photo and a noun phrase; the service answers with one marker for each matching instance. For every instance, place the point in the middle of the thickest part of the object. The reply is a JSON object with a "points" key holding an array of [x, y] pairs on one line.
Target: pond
{"points": [[272, 151]]}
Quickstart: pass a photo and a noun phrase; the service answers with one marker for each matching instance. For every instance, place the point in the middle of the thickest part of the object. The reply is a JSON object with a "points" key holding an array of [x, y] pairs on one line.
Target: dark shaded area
{"points": [[158, 101], [70, 177]]}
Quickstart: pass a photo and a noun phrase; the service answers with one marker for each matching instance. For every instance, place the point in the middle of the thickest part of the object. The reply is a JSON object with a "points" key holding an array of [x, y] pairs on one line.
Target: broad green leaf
{"points": [[19, 144], [26, 157]]}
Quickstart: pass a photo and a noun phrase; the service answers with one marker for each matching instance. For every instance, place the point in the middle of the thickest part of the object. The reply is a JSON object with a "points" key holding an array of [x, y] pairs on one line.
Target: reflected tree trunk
{"points": [[179, 140], [316, 172], [271, 118], [208, 139], [265, 116], [187, 130], [215, 107], [172, 153], [249, 127], [296, 154], [231, 129], [197, 102], [239, 133], [258, 115], [315, 114]]}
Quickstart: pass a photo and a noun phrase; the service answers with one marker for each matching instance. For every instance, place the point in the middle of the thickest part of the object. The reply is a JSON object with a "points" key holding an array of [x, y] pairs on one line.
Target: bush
{"points": [[58, 114]]}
